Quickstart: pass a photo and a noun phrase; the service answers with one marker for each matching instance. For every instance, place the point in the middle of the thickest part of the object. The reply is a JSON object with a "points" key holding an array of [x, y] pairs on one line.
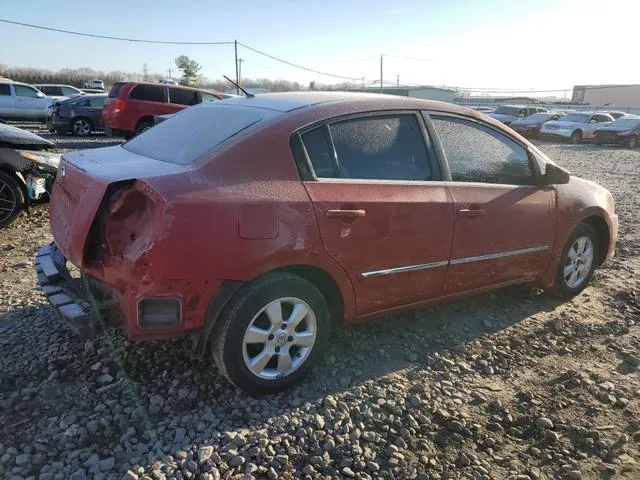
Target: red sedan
{"points": [[256, 223]]}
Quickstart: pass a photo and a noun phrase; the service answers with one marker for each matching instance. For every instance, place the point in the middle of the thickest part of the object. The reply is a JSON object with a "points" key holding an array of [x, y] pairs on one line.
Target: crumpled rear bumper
{"points": [[64, 292]]}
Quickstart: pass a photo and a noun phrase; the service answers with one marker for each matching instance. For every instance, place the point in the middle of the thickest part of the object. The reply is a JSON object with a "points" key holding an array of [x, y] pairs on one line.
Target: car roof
{"points": [[53, 85], [290, 101], [6, 80]]}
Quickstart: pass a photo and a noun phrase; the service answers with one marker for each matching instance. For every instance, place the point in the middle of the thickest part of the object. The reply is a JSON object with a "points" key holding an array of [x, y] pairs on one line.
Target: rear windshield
{"points": [[115, 90], [188, 135]]}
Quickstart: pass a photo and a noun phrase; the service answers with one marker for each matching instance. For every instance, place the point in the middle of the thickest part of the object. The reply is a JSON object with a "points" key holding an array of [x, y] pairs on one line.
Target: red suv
{"points": [[131, 106], [255, 223]]}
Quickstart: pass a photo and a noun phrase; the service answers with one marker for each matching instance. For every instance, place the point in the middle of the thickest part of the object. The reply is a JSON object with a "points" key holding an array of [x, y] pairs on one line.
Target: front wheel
{"points": [[82, 127], [578, 262], [271, 333], [12, 199], [576, 137]]}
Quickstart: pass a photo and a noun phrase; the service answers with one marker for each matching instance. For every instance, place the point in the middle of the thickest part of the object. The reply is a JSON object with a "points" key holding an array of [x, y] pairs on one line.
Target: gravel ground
{"points": [[512, 384]]}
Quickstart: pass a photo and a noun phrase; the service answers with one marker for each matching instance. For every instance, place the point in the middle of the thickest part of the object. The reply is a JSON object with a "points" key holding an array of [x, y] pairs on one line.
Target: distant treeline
{"points": [[77, 76]]}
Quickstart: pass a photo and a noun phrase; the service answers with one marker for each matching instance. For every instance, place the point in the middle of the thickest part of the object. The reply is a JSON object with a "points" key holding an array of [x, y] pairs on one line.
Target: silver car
{"points": [[22, 101], [576, 127], [509, 113]]}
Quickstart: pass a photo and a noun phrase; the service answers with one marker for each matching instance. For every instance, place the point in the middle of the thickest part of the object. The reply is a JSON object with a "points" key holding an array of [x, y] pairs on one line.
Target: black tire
{"points": [[227, 348], [561, 288], [12, 200], [143, 126], [576, 137], [81, 126], [632, 142]]}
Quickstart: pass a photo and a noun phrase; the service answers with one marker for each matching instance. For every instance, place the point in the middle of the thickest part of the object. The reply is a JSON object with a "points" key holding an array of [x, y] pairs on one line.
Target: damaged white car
{"points": [[27, 171]]}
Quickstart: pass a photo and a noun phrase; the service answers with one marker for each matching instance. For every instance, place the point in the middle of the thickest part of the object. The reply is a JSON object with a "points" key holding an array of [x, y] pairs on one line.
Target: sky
{"points": [[506, 45]]}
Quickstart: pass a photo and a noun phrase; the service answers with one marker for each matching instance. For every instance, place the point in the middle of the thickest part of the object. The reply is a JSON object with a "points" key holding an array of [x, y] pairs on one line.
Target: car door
{"points": [[504, 223], [383, 212], [94, 110], [180, 98], [30, 102], [597, 120], [7, 101]]}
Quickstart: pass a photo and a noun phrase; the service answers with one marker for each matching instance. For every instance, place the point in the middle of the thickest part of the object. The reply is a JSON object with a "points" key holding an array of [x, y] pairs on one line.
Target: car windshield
{"points": [[185, 137], [575, 117], [507, 110], [626, 122]]}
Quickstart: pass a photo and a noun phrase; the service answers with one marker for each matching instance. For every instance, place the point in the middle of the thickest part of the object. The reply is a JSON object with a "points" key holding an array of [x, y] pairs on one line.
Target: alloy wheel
{"points": [[279, 338], [578, 262], [7, 201], [81, 127]]}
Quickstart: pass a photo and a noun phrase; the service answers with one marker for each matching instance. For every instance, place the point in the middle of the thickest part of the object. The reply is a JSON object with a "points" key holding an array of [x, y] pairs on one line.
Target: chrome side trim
{"points": [[457, 261], [491, 256], [409, 268]]}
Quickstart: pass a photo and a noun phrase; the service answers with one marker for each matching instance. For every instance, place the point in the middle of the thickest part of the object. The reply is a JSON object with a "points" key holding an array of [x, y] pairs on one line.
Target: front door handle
{"points": [[471, 212], [346, 213]]}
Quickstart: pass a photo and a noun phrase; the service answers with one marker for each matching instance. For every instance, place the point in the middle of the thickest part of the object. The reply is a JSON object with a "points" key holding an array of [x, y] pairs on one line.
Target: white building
{"points": [[607, 95]]}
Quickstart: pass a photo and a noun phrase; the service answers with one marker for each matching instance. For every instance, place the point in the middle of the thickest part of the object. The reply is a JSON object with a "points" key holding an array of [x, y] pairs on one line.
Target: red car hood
{"points": [[83, 178]]}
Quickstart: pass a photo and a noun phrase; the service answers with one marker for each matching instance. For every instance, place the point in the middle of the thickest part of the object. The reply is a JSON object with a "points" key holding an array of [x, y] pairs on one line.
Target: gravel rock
{"points": [[544, 423]]}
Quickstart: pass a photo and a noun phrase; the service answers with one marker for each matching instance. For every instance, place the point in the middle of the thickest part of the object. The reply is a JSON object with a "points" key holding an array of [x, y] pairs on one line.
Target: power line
{"points": [[296, 65], [108, 37]]}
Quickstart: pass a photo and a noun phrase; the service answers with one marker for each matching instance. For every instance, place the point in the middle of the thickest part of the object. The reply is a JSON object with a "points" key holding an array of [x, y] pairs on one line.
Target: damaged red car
{"points": [[254, 224]]}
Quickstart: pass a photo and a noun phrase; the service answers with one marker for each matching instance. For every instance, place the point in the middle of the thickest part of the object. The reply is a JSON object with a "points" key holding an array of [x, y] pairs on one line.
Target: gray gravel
{"points": [[512, 384]]}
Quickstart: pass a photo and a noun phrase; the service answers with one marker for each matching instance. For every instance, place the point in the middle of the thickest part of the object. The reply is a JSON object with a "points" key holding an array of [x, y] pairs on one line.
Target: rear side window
{"points": [[385, 147], [477, 153], [115, 90], [188, 135], [182, 96], [5, 89], [82, 103], [51, 90], [208, 97], [97, 102], [319, 151], [149, 93], [68, 91]]}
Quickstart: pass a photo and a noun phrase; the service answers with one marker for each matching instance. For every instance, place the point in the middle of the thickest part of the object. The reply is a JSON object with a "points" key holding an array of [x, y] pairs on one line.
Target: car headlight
{"points": [[46, 159]]}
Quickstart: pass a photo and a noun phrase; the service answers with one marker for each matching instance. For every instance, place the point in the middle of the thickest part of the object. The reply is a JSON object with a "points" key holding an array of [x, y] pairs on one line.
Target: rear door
{"points": [[7, 100], [504, 223], [383, 211], [94, 110], [180, 98], [146, 101]]}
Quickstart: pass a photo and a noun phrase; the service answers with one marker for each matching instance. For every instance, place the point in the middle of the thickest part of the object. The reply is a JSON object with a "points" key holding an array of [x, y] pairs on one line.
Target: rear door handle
{"points": [[471, 212], [346, 213]]}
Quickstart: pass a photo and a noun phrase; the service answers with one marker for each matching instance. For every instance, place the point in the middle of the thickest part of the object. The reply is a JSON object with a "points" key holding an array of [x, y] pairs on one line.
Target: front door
{"points": [[30, 102], [383, 212], [504, 222]]}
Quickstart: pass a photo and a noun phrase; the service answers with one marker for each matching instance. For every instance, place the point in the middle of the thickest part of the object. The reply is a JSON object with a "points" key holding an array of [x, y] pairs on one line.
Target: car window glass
{"points": [[182, 96], [5, 89], [389, 147], [68, 91], [318, 148], [24, 91], [150, 93], [208, 97], [97, 102], [477, 153], [82, 103], [602, 118]]}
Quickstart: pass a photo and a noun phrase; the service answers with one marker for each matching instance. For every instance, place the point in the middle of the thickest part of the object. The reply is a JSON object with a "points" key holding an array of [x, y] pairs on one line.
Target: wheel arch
{"points": [[602, 229], [10, 170], [141, 120]]}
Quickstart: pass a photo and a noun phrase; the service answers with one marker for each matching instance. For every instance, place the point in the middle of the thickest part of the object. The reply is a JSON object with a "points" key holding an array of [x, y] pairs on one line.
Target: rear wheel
{"points": [[578, 262], [12, 199], [576, 137], [82, 127], [143, 126], [271, 333]]}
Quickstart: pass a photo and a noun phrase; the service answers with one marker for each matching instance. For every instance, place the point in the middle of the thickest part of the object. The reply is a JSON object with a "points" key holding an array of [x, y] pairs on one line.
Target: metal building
{"points": [[607, 95]]}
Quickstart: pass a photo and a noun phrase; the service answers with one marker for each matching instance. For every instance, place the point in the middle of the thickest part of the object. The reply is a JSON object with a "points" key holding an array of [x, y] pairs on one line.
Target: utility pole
{"points": [[169, 70], [145, 71], [240, 71], [381, 73], [235, 44], [363, 78], [397, 80]]}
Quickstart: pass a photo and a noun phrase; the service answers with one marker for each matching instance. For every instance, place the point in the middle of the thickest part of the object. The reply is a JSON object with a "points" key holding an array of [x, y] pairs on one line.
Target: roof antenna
{"points": [[248, 95]]}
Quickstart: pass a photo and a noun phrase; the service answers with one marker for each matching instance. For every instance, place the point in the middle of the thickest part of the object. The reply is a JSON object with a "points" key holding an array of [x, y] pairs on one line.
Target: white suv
{"points": [[94, 84], [22, 101]]}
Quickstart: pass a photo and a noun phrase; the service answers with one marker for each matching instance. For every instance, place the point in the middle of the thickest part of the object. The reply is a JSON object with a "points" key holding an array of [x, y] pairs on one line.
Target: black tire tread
{"points": [[20, 198]]}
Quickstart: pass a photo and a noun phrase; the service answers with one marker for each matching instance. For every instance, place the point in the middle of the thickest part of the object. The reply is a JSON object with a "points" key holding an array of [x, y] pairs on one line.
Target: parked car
{"points": [[254, 224], [168, 81], [27, 171], [483, 109], [59, 91], [80, 115], [509, 113], [92, 90], [530, 126], [575, 127], [131, 106], [19, 101], [616, 114], [94, 84], [624, 131]]}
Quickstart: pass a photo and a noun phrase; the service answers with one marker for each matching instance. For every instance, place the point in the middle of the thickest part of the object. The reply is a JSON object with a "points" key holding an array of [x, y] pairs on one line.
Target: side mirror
{"points": [[555, 175]]}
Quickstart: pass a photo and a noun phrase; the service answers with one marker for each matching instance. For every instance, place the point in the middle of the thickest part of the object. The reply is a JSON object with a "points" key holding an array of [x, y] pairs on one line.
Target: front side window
{"points": [[97, 102], [24, 91], [182, 96], [82, 103], [477, 153], [150, 93], [68, 91], [384, 147]]}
